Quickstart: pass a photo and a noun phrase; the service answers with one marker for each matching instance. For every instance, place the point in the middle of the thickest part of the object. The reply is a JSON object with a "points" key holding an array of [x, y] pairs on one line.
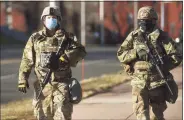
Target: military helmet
{"points": [[147, 12], [51, 10], [75, 91]]}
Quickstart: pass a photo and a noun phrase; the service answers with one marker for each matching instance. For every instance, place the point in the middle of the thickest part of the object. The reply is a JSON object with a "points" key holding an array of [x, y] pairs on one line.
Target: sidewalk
{"points": [[116, 104]]}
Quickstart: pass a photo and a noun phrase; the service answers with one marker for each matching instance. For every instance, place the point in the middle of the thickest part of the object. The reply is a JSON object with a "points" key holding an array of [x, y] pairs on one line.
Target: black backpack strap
{"points": [[160, 42]]}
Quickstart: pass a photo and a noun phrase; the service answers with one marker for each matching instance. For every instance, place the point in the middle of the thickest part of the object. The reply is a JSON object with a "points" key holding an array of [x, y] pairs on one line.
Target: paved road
{"points": [[100, 60], [116, 104]]}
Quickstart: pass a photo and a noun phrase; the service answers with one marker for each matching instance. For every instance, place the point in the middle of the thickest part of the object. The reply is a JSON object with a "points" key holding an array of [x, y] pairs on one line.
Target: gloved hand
{"points": [[142, 54], [54, 62], [23, 86]]}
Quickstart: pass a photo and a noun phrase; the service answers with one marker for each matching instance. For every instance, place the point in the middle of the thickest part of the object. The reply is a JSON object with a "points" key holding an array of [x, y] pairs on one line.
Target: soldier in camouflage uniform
{"points": [[54, 102], [148, 89]]}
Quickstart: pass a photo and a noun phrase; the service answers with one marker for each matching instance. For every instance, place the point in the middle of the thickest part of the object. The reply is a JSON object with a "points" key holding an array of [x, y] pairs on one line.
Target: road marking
{"points": [[102, 62], [8, 61], [9, 76], [91, 62], [17, 60]]}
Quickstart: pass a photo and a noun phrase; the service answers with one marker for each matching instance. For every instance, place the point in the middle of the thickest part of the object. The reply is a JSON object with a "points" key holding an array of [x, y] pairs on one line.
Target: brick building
{"points": [[118, 17], [123, 13]]}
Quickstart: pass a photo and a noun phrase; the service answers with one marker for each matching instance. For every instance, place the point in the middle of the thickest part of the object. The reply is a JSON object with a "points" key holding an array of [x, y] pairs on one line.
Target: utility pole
{"points": [[102, 22], [83, 20], [135, 14], [83, 31], [9, 17], [162, 15], [52, 3]]}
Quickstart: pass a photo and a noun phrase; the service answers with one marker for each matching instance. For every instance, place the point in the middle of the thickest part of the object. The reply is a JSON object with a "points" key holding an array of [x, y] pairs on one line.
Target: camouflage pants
{"points": [[54, 103], [149, 104]]}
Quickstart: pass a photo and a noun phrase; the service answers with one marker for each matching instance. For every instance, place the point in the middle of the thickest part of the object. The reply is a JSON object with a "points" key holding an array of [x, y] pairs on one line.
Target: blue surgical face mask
{"points": [[51, 23]]}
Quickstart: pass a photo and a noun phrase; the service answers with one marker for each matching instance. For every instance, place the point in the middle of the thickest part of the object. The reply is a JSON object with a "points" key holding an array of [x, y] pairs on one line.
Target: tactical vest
{"points": [[43, 47], [156, 45]]}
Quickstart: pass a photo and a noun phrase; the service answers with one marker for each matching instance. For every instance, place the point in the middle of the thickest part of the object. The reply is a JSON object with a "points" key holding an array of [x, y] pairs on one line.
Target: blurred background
{"points": [[101, 26], [20, 19]]}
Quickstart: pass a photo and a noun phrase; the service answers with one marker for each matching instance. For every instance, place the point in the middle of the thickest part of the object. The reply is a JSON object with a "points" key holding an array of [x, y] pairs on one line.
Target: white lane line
{"points": [[91, 62], [102, 62], [9, 76], [86, 63], [8, 61]]}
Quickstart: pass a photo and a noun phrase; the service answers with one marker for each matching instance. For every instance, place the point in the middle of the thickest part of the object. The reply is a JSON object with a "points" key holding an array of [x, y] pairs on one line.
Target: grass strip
{"points": [[22, 109]]}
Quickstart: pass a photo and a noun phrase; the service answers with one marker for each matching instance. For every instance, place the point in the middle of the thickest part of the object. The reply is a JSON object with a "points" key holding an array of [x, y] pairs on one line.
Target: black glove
{"points": [[54, 62], [142, 54], [23, 86]]}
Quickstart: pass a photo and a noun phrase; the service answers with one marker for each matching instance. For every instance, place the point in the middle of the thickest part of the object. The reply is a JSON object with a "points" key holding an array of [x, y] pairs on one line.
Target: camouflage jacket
{"points": [[38, 49], [143, 72]]}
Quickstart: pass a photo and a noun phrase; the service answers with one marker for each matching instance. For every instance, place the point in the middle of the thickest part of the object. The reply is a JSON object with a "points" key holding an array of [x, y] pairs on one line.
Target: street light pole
{"points": [[162, 16], [9, 17], [135, 14], [102, 22], [83, 31], [83, 19], [52, 3]]}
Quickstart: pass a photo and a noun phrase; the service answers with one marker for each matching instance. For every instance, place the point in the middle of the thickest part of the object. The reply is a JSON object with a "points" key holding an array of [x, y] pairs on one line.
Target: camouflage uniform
{"points": [[54, 102], [148, 89]]}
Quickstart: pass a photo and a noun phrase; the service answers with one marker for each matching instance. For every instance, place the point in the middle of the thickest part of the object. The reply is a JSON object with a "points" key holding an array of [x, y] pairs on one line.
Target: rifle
{"points": [[156, 60], [61, 48]]}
